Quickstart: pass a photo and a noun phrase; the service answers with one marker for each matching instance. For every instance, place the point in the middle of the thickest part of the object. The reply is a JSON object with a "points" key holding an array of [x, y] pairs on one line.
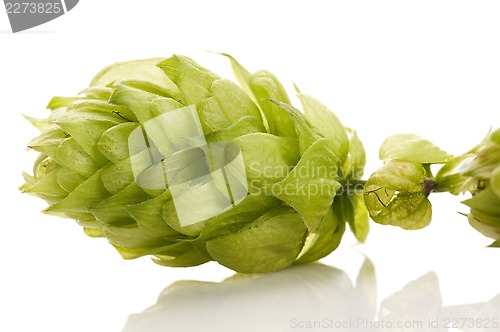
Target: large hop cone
{"points": [[164, 158]]}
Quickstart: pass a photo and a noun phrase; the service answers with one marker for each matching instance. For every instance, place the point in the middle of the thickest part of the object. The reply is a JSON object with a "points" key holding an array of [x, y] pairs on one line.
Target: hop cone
{"points": [[165, 159], [484, 171]]}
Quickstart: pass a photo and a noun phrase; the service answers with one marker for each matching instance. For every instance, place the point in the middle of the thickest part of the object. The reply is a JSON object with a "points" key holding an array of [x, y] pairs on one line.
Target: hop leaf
{"points": [[395, 195]]}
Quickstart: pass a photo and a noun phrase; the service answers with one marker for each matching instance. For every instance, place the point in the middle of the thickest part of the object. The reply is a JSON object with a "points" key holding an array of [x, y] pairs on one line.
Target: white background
{"points": [[427, 67]]}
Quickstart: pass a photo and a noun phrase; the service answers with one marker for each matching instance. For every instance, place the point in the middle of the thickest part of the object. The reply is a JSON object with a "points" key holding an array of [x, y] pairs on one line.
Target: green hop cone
{"points": [[166, 159], [484, 174]]}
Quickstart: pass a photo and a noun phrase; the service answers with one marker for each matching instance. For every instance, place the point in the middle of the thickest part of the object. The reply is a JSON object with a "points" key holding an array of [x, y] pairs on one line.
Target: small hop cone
{"points": [[164, 158], [484, 171]]}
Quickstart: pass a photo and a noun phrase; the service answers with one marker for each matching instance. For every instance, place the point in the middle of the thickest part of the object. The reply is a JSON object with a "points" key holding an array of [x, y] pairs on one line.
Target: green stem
{"points": [[351, 186], [428, 171]]}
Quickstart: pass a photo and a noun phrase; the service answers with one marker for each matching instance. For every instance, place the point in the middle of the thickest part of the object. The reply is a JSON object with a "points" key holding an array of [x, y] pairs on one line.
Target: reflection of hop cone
{"points": [[164, 158], [312, 295]]}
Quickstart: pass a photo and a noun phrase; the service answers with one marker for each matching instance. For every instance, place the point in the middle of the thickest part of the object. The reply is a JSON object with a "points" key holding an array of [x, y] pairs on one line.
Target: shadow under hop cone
{"points": [[280, 301], [311, 297]]}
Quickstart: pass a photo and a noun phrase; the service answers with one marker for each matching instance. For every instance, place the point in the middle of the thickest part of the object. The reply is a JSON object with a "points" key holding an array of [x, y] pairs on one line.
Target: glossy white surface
{"points": [[312, 297]]}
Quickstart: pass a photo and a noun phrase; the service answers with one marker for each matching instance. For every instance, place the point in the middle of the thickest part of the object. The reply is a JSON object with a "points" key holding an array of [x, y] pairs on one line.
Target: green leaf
{"points": [[395, 195], [409, 147], [399, 176], [408, 211], [192, 80], [327, 123], [311, 186], [325, 240], [270, 243]]}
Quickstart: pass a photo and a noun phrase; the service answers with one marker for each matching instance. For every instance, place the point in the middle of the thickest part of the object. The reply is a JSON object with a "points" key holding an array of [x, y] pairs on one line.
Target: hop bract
{"points": [[166, 159]]}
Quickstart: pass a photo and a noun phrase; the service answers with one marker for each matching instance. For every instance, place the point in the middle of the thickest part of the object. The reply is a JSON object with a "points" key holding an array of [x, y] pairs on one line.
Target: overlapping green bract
{"points": [[84, 170]]}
